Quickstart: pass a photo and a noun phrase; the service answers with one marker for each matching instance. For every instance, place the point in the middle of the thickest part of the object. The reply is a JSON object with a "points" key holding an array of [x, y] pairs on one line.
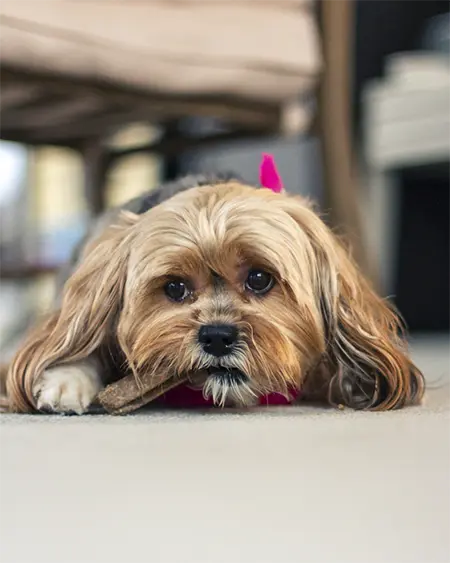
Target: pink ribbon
{"points": [[269, 176]]}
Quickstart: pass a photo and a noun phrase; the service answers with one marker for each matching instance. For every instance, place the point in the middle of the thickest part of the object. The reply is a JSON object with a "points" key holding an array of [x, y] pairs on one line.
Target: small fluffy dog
{"points": [[243, 287]]}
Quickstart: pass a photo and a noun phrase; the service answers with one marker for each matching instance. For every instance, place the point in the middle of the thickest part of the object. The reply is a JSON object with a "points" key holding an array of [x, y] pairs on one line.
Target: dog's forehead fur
{"points": [[219, 228]]}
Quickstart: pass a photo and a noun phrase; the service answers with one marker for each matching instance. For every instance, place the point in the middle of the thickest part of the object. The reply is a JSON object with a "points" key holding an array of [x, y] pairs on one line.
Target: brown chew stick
{"points": [[126, 395]]}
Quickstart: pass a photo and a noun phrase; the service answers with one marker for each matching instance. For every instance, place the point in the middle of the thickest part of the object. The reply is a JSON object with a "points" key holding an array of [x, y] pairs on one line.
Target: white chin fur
{"points": [[229, 394]]}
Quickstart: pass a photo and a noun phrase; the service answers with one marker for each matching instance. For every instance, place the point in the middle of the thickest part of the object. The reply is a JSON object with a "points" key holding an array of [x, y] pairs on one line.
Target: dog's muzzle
{"points": [[228, 376]]}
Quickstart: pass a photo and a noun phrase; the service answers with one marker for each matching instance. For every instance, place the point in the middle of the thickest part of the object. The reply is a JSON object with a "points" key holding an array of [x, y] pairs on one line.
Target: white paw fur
{"points": [[68, 388]]}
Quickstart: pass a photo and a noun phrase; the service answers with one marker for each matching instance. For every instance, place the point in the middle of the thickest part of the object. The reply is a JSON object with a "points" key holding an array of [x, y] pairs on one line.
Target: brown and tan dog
{"points": [[244, 285]]}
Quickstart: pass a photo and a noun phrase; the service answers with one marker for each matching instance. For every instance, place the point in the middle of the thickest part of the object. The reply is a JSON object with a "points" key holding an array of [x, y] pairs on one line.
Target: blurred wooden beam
{"points": [[15, 95], [177, 145], [160, 107], [42, 114], [342, 186]]}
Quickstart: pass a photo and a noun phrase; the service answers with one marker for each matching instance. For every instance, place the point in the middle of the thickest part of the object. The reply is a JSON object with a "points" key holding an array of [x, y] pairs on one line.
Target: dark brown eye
{"points": [[177, 290], [259, 281]]}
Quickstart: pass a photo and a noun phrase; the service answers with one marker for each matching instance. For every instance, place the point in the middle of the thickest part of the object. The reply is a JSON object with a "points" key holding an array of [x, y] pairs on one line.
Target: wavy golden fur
{"points": [[321, 328]]}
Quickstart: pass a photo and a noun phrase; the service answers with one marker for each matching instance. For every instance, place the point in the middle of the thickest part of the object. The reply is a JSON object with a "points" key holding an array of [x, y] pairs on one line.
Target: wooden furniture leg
{"points": [[342, 189], [95, 172]]}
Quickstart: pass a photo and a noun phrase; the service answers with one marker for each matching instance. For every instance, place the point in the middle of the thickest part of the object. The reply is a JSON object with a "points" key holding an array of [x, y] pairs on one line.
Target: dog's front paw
{"points": [[68, 388]]}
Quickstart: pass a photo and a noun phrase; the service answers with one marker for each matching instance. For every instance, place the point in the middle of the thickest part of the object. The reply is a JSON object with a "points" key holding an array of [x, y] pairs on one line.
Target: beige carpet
{"points": [[280, 485]]}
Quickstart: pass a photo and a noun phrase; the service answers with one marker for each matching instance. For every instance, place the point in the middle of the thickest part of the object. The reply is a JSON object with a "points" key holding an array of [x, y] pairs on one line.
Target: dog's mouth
{"points": [[228, 387], [228, 376]]}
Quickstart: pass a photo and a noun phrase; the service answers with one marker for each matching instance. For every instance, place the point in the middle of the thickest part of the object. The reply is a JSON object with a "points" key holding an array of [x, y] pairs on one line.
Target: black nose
{"points": [[217, 340]]}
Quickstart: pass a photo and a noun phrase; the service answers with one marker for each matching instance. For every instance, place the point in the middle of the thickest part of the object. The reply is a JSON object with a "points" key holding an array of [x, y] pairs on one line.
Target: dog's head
{"points": [[245, 291]]}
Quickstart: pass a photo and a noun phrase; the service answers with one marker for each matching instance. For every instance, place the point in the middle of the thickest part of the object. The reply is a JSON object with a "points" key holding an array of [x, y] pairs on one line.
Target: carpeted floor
{"points": [[277, 485]]}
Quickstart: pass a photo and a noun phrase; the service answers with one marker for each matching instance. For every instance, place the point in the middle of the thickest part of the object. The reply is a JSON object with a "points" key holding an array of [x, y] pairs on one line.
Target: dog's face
{"points": [[245, 291], [220, 287]]}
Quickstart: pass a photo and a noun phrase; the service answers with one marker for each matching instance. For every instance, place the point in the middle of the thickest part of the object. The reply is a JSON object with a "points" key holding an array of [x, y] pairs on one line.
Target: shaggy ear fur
{"points": [[366, 365], [90, 305]]}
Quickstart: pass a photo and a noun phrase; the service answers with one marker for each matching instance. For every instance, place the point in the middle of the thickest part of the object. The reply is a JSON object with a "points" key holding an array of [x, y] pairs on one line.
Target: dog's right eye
{"points": [[177, 290], [259, 282]]}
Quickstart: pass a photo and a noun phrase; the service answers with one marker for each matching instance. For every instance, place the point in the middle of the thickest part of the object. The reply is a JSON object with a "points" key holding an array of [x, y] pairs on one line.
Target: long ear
{"points": [[366, 365], [90, 304]]}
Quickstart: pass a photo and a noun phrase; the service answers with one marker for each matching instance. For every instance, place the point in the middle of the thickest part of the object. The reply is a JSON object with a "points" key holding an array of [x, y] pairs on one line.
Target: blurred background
{"points": [[103, 100]]}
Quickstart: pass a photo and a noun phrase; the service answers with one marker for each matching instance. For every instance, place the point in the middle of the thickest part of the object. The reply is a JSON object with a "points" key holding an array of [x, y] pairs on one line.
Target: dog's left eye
{"points": [[259, 281], [177, 290]]}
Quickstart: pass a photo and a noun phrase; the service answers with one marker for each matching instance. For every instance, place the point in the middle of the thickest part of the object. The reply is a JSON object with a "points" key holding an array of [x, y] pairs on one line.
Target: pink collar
{"points": [[184, 397]]}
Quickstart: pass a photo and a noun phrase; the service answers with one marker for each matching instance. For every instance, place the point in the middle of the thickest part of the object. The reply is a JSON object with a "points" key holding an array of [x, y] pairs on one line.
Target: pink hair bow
{"points": [[268, 174]]}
